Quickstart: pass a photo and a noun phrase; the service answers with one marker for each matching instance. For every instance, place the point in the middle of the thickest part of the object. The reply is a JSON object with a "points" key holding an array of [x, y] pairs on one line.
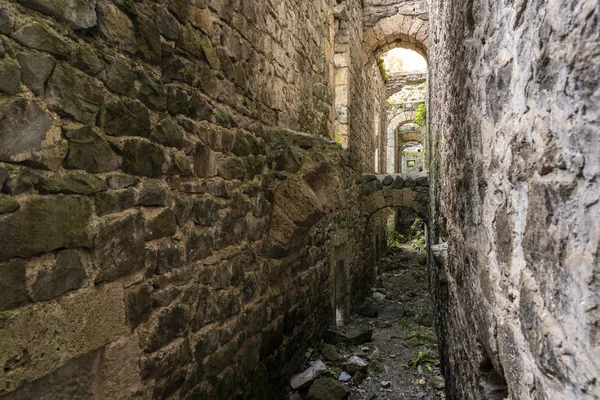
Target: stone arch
{"points": [[405, 31], [402, 117], [396, 190]]}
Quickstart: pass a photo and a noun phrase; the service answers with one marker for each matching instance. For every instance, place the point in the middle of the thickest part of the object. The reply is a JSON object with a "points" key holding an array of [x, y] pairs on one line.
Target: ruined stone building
{"points": [[192, 190]]}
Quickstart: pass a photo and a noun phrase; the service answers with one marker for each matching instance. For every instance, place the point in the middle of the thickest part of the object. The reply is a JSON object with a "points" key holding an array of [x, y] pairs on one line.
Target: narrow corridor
{"points": [[401, 358]]}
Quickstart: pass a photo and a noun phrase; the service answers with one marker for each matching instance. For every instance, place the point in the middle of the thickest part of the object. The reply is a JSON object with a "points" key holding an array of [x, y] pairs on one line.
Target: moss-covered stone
{"points": [[89, 152], [74, 94], [151, 92], [143, 158], [10, 75], [120, 78], [41, 37], [85, 58], [71, 183], [12, 284], [125, 117], [168, 133], [114, 201], [116, 27], [8, 204], [23, 128], [46, 223], [66, 272], [80, 14], [35, 70]]}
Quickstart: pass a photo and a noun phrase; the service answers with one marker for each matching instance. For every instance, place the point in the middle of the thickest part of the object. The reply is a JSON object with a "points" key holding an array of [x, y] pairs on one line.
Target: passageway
{"points": [[197, 195]]}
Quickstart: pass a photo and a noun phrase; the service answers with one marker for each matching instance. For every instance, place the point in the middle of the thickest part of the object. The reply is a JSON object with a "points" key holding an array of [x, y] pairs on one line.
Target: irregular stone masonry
{"points": [[396, 190], [163, 232], [515, 174]]}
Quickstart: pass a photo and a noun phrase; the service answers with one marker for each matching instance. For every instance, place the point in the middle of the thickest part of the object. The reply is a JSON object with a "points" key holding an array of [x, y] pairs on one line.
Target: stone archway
{"points": [[396, 190], [405, 31]]}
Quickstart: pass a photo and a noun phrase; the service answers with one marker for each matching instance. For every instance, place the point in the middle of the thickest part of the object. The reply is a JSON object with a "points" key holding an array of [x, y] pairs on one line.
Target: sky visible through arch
{"points": [[403, 60]]}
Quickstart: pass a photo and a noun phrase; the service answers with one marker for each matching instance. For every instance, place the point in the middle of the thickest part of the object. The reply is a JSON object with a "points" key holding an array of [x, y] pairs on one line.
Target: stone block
{"points": [[296, 199], [125, 117], [143, 158], [50, 276], [7, 20], [159, 223], [198, 244], [120, 181], [88, 151], [23, 129], [10, 75], [35, 71], [119, 376], [50, 222], [8, 204], [41, 37], [114, 201], [71, 183], [168, 133], [74, 94], [152, 194], [86, 320], [12, 284], [119, 246], [80, 14], [169, 324], [85, 58], [120, 77], [116, 27], [138, 303]]}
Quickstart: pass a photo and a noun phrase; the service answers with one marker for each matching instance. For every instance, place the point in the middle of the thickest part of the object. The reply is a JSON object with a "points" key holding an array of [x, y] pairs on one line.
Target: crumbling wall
{"points": [[515, 194], [161, 234]]}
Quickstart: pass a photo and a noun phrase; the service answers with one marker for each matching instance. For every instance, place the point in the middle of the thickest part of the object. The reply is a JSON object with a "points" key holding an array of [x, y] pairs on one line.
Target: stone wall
{"points": [[161, 234], [515, 182]]}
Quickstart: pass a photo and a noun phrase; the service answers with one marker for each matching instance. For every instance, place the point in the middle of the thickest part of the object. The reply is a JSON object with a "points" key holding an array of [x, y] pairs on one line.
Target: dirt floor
{"points": [[402, 356]]}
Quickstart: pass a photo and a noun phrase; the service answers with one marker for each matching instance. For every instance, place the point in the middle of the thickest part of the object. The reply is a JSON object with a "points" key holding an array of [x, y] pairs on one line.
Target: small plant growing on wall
{"points": [[421, 114], [337, 139]]}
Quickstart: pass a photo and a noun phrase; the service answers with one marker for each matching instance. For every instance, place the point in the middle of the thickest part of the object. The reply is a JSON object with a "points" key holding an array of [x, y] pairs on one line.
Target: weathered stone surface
{"points": [[159, 223], [56, 276], [114, 201], [298, 202], [143, 158], [168, 133], [125, 118], [41, 37], [116, 27], [89, 152], [354, 336], [75, 378], [71, 183], [119, 246], [152, 194], [10, 75], [120, 181], [8, 204], [80, 14], [169, 324], [7, 20], [74, 94], [13, 284], [327, 389], [120, 77], [51, 222], [151, 92], [139, 305], [355, 364], [33, 331], [119, 370], [35, 70], [168, 25], [23, 182], [85, 58], [306, 378]]}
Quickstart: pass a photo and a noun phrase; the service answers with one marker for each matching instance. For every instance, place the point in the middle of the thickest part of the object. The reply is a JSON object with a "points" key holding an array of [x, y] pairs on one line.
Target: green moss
{"points": [[421, 114]]}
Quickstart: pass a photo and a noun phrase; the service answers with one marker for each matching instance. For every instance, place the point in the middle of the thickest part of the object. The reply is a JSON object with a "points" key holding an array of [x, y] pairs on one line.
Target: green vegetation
{"points": [[416, 234], [337, 139], [423, 338], [421, 114], [384, 74], [423, 359], [393, 237]]}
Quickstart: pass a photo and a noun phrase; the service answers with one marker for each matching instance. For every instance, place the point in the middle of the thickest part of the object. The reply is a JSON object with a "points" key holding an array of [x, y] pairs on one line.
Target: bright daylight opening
{"points": [[404, 61]]}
